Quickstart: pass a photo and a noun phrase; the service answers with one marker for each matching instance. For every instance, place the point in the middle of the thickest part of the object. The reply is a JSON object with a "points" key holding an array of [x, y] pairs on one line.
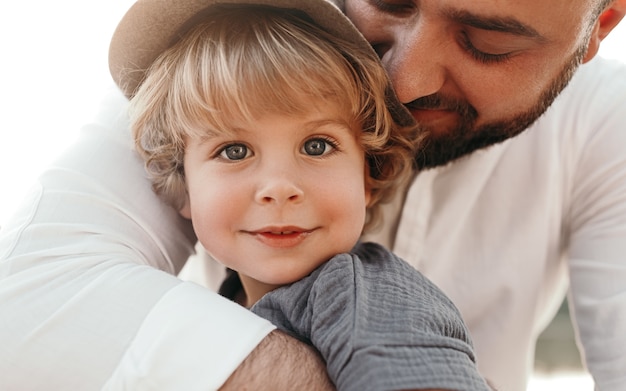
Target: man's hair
{"points": [[244, 61]]}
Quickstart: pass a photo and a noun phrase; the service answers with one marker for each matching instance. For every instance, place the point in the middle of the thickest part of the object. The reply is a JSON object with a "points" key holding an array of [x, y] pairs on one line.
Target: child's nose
{"points": [[279, 188]]}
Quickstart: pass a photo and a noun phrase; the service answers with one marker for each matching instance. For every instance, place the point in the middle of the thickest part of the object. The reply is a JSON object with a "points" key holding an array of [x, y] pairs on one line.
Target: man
{"points": [[498, 229], [501, 229]]}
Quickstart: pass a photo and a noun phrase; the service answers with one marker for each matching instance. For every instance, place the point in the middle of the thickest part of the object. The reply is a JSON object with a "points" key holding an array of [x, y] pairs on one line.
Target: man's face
{"points": [[475, 72]]}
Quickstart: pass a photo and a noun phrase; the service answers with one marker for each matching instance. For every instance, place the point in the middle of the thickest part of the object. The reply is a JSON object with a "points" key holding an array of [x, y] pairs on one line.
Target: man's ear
{"points": [[607, 21]]}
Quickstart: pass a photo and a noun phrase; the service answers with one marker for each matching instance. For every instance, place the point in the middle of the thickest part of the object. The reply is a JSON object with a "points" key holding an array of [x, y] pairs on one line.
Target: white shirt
{"points": [[88, 294], [500, 231], [88, 299]]}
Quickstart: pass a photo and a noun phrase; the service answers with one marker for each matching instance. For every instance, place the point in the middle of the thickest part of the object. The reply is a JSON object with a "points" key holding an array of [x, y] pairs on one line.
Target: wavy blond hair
{"points": [[242, 61]]}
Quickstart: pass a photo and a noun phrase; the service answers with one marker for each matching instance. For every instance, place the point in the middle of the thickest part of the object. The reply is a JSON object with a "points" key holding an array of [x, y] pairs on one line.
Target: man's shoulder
{"points": [[590, 105], [598, 78]]}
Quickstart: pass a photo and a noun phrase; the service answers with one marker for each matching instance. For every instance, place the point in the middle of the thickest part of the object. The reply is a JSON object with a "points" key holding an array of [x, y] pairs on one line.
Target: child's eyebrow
{"points": [[211, 133], [328, 122]]}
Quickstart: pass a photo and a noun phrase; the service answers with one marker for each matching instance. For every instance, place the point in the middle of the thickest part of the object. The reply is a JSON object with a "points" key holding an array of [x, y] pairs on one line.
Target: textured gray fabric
{"points": [[378, 323]]}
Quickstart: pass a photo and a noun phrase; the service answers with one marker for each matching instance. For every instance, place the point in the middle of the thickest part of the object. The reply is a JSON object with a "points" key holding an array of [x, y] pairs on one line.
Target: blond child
{"points": [[279, 138]]}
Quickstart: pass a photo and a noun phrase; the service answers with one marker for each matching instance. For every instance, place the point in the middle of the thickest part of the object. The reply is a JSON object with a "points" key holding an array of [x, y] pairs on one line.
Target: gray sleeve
{"points": [[378, 323]]}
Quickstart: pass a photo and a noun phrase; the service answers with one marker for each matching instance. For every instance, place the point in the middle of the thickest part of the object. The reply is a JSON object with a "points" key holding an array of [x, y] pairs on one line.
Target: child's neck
{"points": [[253, 290]]}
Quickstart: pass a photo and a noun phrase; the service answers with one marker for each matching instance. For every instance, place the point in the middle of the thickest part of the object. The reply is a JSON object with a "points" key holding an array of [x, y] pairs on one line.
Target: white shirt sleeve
{"points": [[501, 231], [88, 293], [597, 248]]}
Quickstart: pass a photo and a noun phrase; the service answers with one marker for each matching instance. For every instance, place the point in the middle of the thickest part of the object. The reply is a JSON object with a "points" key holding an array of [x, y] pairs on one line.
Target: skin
{"points": [[475, 73], [296, 195], [302, 368]]}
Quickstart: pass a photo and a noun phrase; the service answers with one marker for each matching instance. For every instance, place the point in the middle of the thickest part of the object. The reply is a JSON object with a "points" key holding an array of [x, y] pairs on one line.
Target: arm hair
{"points": [[281, 362]]}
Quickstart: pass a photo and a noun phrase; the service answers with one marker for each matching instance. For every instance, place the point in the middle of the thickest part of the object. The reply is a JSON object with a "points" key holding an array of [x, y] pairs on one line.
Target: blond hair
{"points": [[246, 60]]}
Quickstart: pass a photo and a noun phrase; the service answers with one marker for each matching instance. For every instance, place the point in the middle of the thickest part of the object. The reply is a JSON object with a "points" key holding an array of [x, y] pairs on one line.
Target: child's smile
{"points": [[281, 237]]}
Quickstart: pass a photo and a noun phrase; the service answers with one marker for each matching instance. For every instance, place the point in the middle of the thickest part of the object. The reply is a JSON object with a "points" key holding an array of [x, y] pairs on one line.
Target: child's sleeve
{"points": [[88, 294], [378, 323]]}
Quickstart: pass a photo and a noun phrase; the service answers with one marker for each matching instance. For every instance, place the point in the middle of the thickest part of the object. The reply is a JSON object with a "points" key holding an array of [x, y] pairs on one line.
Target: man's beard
{"points": [[467, 137]]}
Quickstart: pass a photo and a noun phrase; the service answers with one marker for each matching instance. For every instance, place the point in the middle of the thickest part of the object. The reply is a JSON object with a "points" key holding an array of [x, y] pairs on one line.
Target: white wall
{"points": [[53, 70]]}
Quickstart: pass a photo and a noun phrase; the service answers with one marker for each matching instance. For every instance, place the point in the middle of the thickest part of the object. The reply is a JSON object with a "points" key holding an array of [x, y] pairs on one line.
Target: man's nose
{"points": [[416, 61]]}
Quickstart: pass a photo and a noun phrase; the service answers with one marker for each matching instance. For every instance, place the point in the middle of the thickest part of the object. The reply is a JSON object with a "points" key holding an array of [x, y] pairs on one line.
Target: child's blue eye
{"points": [[317, 147], [235, 152]]}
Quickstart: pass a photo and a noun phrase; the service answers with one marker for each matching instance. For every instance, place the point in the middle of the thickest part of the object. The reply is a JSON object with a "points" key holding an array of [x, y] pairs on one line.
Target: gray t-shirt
{"points": [[378, 323]]}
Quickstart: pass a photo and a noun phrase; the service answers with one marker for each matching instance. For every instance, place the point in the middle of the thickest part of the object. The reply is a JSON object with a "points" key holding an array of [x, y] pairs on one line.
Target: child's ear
{"points": [[368, 194], [185, 210], [607, 21], [368, 187]]}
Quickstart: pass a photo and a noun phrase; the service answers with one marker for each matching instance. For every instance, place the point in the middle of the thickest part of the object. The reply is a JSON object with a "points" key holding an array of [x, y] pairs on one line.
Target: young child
{"points": [[279, 138]]}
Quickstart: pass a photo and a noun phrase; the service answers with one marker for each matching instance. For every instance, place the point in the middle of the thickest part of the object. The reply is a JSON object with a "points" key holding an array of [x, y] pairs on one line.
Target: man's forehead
{"points": [[537, 19], [491, 22], [523, 12]]}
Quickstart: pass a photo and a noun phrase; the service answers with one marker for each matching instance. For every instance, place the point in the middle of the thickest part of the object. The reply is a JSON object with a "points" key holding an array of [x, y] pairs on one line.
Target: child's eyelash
{"points": [[331, 141]]}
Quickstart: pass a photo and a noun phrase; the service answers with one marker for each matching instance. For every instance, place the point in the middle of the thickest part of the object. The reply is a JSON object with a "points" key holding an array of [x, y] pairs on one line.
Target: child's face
{"points": [[279, 196]]}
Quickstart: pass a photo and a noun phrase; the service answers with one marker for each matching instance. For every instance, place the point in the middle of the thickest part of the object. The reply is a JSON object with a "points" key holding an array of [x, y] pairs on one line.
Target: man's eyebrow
{"points": [[499, 24]]}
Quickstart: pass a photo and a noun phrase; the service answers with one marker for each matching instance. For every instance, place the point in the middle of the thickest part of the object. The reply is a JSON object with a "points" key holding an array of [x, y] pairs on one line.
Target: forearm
{"points": [[281, 362]]}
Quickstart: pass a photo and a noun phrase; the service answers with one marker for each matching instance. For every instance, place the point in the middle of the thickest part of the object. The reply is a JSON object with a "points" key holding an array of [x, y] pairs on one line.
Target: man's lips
{"points": [[439, 110], [435, 119], [430, 113]]}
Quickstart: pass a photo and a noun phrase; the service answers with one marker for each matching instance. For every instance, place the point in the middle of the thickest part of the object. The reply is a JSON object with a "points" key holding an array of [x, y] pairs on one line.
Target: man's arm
{"points": [[301, 367], [88, 293], [597, 249]]}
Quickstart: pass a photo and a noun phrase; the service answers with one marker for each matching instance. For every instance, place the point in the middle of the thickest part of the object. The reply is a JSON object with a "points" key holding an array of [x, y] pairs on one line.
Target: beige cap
{"points": [[149, 27]]}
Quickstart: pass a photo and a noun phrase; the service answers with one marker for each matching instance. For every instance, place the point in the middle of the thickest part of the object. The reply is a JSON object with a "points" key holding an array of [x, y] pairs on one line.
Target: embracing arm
{"points": [[88, 293], [597, 245], [301, 367]]}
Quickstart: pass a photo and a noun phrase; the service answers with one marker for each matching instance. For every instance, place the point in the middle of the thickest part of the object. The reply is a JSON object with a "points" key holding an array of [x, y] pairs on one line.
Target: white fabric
{"points": [[88, 295], [86, 265], [180, 360], [499, 231]]}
